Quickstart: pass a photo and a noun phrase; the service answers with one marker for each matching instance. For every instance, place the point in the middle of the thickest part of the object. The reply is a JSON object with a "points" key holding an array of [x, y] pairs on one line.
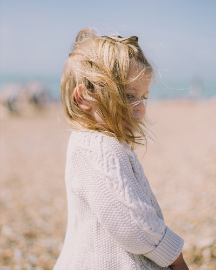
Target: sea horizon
{"points": [[164, 88]]}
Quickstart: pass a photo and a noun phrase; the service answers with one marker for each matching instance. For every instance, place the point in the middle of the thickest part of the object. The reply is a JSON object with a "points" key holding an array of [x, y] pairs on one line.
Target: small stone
{"points": [[27, 266], [206, 253], [38, 268], [203, 267], [214, 252], [205, 242], [7, 231], [32, 258], [6, 195], [17, 256], [17, 267]]}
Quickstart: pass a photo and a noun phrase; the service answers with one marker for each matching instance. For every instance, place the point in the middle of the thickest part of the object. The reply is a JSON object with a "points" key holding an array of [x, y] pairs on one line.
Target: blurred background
{"points": [[179, 38]]}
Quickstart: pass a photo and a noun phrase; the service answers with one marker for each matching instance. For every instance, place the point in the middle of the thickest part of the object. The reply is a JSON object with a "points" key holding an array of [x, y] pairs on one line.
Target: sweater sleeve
{"points": [[109, 186]]}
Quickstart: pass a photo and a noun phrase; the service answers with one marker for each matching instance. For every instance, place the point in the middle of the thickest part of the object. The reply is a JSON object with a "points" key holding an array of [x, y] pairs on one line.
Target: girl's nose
{"points": [[139, 105]]}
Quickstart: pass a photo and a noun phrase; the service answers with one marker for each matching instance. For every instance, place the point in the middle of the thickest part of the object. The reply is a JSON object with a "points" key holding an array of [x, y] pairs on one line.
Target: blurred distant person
{"points": [[15, 95], [36, 93], [12, 95]]}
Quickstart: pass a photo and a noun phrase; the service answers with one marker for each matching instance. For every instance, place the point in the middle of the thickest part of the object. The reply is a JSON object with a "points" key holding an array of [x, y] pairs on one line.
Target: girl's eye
{"points": [[144, 97], [129, 96]]}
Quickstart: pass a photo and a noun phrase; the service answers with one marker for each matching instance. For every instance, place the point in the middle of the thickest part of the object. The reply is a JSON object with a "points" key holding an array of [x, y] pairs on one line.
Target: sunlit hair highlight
{"points": [[101, 66]]}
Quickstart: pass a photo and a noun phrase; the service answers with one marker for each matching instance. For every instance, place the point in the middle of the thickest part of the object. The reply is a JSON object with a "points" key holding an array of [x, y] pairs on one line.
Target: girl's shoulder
{"points": [[99, 143], [103, 149], [104, 153]]}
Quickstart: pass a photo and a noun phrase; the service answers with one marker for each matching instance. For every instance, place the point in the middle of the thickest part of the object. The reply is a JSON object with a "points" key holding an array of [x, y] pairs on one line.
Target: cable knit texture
{"points": [[114, 220]]}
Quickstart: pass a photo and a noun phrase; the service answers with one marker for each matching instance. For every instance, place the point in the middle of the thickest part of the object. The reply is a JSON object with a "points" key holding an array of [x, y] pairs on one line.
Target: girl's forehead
{"points": [[138, 72], [139, 85], [135, 66], [138, 77]]}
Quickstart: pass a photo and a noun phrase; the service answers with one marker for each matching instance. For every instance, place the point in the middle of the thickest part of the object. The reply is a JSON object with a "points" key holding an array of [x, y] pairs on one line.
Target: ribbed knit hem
{"points": [[168, 249]]}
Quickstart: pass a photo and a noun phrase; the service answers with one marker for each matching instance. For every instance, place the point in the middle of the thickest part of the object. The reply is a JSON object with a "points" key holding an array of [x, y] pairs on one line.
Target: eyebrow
{"points": [[134, 89]]}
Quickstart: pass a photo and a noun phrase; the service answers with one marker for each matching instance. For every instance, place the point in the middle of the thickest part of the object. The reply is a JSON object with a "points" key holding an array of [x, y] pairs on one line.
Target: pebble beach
{"points": [[180, 164]]}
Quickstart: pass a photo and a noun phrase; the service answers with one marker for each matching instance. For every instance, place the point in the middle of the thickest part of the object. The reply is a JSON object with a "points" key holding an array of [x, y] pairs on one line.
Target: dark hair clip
{"points": [[113, 36]]}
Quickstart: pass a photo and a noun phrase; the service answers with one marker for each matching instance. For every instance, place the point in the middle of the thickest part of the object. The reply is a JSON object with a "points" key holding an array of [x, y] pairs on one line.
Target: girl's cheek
{"points": [[98, 119]]}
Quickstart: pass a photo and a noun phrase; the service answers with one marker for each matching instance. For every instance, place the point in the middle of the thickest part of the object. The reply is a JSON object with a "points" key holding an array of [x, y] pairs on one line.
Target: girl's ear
{"points": [[79, 99]]}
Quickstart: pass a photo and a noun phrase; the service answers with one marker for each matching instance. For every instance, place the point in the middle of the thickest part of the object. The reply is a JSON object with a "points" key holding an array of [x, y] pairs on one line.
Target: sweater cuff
{"points": [[167, 250]]}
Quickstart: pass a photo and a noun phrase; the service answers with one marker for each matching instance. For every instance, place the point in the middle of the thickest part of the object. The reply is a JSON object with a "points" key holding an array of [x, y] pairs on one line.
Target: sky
{"points": [[179, 37]]}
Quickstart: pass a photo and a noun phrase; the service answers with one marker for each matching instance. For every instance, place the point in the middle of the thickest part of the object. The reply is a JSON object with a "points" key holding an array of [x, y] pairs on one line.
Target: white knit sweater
{"points": [[114, 220]]}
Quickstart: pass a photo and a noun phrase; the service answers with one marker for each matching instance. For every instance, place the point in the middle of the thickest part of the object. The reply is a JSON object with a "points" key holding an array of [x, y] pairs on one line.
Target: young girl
{"points": [[114, 220]]}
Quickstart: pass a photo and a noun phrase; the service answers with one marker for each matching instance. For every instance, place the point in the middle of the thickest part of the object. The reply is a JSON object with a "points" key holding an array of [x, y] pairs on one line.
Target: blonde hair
{"points": [[101, 65]]}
